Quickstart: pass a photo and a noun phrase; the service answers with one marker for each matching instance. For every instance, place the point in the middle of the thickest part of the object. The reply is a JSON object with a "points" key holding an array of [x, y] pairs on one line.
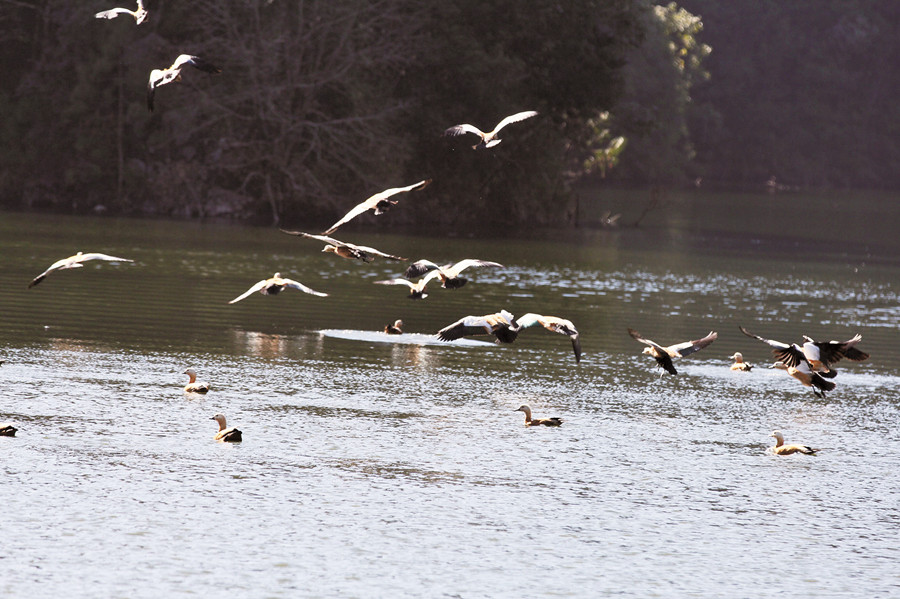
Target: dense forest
{"points": [[321, 103]]}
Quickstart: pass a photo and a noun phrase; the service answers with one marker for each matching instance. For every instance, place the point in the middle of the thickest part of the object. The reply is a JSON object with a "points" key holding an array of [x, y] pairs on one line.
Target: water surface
{"points": [[375, 467]]}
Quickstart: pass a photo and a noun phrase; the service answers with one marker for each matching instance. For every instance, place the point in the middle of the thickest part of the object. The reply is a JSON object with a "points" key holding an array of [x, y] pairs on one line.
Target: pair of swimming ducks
{"points": [[225, 434]]}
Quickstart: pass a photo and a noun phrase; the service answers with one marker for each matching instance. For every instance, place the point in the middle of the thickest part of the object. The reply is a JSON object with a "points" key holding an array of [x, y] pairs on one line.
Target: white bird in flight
{"points": [[449, 273], [490, 139], [140, 15], [274, 286], [74, 262], [378, 202], [159, 77], [346, 250], [416, 290]]}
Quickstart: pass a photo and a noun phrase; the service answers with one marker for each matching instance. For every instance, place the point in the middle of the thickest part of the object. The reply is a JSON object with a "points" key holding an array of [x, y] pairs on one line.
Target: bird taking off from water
{"points": [[819, 355], [274, 286], [160, 77], [551, 323], [140, 15], [664, 355], [379, 202], [489, 139], [74, 262]]}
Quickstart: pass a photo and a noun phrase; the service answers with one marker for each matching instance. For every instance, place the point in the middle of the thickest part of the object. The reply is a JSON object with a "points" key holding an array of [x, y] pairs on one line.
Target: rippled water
{"points": [[377, 467]]}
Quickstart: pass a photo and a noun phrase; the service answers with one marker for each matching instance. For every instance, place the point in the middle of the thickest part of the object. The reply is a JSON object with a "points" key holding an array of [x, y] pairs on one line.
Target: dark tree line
{"points": [[324, 102]]}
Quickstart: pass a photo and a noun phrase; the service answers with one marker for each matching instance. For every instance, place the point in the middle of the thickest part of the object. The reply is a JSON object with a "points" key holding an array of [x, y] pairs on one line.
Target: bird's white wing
{"points": [[249, 292], [300, 286], [357, 210], [409, 284], [114, 12], [367, 250], [463, 129], [395, 190], [107, 257], [514, 118], [460, 266], [322, 238], [689, 347]]}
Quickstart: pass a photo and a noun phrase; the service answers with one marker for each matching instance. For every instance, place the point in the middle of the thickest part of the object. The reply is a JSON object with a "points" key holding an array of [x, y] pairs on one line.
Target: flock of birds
{"points": [[810, 363]]}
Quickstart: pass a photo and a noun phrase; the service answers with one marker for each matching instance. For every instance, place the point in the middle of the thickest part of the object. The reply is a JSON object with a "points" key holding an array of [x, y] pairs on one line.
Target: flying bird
{"points": [[490, 139], [346, 250], [664, 355], [160, 77], [195, 386], [75, 261], [416, 290], [820, 356], [782, 449], [529, 421], [379, 202], [551, 323], [799, 368], [274, 286], [449, 273], [140, 15], [499, 325], [229, 435]]}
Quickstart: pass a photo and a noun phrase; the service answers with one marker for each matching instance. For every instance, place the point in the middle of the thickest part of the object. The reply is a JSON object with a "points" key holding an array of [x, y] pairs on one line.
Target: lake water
{"points": [[374, 466]]}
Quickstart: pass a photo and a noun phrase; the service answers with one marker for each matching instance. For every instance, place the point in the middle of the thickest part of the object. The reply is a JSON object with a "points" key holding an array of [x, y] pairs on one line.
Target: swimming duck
{"points": [[231, 435], [74, 262], [489, 140], [378, 202], [664, 355], [346, 250], [782, 449], [140, 15], [274, 286], [800, 369], [160, 77], [449, 273], [7, 430], [739, 363], [394, 329], [499, 325], [416, 290], [529, 421], [195, 386], [551, 323]]}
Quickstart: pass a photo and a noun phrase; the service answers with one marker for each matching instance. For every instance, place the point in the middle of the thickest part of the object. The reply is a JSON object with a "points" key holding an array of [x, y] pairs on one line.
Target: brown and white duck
{"points": [[76, 261], [531, 421], [820, 355], [195, 386], [500, 325], [140, 15], [346, 250], [664, 355], [274, 286], [379, 203], [739, 363], [489, 139], [449, 273], [394, 329], [782, 449], [229, 435], [799, 368], [160, 77], [551, 323]]}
